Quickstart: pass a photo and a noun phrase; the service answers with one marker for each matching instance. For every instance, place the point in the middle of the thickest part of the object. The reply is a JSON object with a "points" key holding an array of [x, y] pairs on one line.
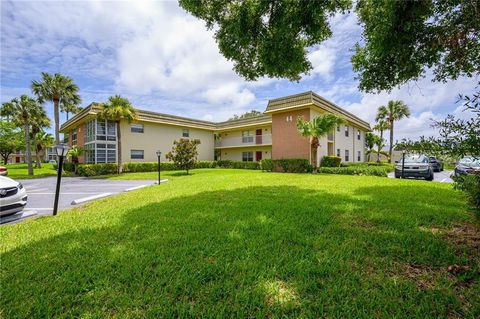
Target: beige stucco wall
{"points": [[235, 154], [160, 137]]}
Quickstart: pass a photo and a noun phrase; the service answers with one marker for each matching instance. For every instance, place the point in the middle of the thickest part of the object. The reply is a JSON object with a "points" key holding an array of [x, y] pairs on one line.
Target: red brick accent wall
{"points": [[81, 140], [286, 141]]}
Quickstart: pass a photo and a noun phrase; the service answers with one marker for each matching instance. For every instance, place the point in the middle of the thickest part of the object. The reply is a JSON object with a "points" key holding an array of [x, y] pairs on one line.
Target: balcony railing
{"points": [[264, 139]]}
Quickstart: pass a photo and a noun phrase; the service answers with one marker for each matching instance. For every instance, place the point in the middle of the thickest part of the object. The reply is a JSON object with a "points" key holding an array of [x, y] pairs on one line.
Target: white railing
{"points": [[264, 139]]}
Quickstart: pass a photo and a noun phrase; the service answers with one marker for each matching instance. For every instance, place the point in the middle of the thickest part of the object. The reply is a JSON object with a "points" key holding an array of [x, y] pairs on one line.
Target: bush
{"points": [[358, 170], [287, 165], [388, 166], [97, 169], [224, 163], [470, 184], [68, 167], [330, 161], [266, 164]]}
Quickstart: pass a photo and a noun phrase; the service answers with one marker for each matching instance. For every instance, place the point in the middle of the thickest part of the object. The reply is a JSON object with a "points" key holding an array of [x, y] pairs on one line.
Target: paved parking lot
{"points": [[442, 177], [41, 193]]}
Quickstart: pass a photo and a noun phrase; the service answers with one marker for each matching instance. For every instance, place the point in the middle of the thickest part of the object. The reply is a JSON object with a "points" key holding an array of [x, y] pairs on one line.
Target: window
{"points": [[347, 155], [347, 130], [247, 137], [185, 132], [247, 156], [338, 153], [359, 134], [136, 154], [338, 128], [90, 153], [359, 156], [136, 128], [74, 136], [106, 131]]}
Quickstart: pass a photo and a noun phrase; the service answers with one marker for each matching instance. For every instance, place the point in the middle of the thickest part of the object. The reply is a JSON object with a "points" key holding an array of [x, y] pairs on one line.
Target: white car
{"points": [[13, 196], [3, 171]]}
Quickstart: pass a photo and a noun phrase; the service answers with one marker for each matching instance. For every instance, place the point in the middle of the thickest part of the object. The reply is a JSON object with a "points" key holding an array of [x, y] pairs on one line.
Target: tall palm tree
{"points": [[40, 121], [43, 140], [380, 144], [394, 111], [317, 128], [69, 107], [381, 126], [370, 139], [117, 109], [75, 152], [24, 110], [59, 89]]}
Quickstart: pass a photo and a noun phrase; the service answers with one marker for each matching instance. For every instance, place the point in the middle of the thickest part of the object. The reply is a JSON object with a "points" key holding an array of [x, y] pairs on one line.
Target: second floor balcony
{"points": [[241, 141]]}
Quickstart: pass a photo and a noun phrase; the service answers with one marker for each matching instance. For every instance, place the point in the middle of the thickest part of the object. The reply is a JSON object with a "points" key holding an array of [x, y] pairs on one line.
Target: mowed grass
{"points": [[239, 243], [20, 171]]}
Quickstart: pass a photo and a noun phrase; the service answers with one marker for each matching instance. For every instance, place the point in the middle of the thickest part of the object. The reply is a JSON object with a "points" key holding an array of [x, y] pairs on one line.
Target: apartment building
{"points": [[271, 135]]}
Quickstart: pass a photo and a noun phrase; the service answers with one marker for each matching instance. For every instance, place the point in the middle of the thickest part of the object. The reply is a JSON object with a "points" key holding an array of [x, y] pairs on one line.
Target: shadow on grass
{"points": [[248, 252]]}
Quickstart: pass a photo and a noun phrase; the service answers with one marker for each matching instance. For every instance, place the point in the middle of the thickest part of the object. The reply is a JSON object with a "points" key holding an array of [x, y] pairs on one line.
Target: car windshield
{"points": [[416, 159], [470, 161]]}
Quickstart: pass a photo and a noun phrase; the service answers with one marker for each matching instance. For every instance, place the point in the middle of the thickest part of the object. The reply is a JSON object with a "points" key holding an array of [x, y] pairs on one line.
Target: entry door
{"points": [[258, 156], [258, 137]]}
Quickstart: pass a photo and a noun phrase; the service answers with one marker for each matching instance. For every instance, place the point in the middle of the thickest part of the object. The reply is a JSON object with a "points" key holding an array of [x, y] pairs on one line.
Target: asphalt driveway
{"points": [[442, 177], [73, 192]]}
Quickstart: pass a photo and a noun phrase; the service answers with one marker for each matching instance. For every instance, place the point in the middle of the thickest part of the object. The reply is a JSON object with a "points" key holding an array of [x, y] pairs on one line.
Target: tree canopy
{"points": [[246, 115], [11, 139]]}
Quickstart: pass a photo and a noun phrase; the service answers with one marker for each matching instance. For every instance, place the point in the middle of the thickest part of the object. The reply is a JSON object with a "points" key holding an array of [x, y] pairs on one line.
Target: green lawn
{"points": [[19, 171], [239, 243]]}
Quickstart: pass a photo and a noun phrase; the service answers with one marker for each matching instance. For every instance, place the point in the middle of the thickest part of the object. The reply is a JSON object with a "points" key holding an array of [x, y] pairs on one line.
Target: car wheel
{"points": [[397, 176], [430, 177]]}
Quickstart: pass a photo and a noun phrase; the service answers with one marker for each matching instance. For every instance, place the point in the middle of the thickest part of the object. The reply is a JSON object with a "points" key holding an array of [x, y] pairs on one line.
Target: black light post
{"points": [[159, 154], [62, 150], [403, 163]]}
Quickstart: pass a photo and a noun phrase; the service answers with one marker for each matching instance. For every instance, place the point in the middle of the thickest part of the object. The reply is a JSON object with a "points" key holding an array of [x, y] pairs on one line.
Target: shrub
{"points": [[224, 163], [266, 164], [291, 165], [68, 166], [470, 184], [359, 170], [330, 161], [245, 165], [388, 166], [97, 169], [184, 153]]}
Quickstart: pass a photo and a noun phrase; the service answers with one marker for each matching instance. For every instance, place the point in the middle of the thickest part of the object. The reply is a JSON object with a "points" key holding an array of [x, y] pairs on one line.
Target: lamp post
{"points": [[62, 150], [159, 154], [403, 163]]}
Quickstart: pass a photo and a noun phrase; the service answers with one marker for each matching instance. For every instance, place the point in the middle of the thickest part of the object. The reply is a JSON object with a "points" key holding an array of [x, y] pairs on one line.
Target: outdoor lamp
{"points": [[62, 150], [403, 163], [159, 154]]}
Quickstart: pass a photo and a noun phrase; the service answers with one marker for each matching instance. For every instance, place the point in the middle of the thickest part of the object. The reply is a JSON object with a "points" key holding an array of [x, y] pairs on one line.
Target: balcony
{"points": [[243, 141]]}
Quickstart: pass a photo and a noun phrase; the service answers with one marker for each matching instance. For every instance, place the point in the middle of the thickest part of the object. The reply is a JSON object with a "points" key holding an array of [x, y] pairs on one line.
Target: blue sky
{"points": [[165, 60]]}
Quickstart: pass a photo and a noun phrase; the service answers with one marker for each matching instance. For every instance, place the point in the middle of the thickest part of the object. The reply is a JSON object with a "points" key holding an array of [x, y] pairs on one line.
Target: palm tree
{"points": [[370, 140], [315, 129], [381, 126], [394, 111], [74, 153], [59, 89], [42, 141], [380, 144], [69, 107], [40, 121], [117, 109], [24, 110]]}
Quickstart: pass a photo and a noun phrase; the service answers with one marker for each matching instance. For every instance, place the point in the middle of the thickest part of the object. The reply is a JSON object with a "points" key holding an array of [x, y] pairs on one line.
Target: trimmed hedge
{"points": [[330, 161], [388, 166], [287, 165], [356, 170], [97, 169]]}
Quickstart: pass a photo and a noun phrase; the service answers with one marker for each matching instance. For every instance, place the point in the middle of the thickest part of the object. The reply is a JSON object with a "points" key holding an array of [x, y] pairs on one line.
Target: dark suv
{"points": [[437, 164]]}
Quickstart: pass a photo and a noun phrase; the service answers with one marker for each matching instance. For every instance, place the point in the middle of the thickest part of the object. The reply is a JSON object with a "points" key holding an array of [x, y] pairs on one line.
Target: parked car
{"points": [[52, 162], [418, 166], [437, 164], [3, 171], [467, 165], [13, 197]]}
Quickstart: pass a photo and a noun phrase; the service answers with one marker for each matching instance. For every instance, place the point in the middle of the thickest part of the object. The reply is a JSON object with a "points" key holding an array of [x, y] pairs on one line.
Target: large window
{"points": [[247, 156], [347, 155], [338, 128], [136, 154], [359, 156], [136, 128], [74, 136], [359, 135], [100, 153], [338, 153], [185, 132], [347, 130], [247, 137]]}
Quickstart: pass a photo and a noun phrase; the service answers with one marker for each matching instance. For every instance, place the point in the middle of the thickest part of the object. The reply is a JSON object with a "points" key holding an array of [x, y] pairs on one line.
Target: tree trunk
{"points": [[391, 142], [57, 120], [67, 115], [28, 152], [314, 151], [119, 148]]}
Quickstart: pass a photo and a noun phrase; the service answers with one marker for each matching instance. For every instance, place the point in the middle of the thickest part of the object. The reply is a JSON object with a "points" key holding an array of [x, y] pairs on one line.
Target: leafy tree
{"points": [[74, 153], [117, 109], [394, 111], [268, 37], [370, 140], [246, 115], [380, 144], [317, 128], [423, 145], [184, 153], [42, 141], [59, 89], [25, 109], [402, 39], [11, 140]]}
